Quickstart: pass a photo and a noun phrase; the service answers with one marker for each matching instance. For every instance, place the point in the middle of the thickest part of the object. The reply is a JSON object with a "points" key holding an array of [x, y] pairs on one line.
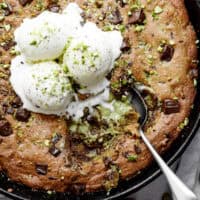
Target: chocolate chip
{"points": [[122, 3], [116, 17], [22, 114], [92, 120], [54, 151], [8, 44], [125, 45], [137, 17], [193, 73], [107, 162], [78, 189], [167, 53], [16, 102], [10, 111], [99, 3], [24, 2], [7, 9], [137, 149], [54, 8], [41, 169], [171, 106], [5, 128], [83, 97], [56, 138]]}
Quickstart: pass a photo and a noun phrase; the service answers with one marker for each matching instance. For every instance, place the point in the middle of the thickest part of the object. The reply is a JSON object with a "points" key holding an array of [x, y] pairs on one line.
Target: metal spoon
{"points": [[179, 190]]}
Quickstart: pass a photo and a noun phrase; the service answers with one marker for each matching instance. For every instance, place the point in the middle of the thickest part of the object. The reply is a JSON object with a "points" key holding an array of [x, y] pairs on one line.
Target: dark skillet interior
{"points": [[146, 176]]}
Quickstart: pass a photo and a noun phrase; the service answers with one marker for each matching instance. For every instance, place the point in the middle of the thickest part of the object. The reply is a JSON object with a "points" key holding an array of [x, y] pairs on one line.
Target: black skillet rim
{"points": [[23, 193]]}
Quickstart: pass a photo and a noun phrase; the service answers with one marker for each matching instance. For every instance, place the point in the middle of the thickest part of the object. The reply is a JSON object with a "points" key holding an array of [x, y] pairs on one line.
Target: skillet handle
{"points": [[179, 190]]}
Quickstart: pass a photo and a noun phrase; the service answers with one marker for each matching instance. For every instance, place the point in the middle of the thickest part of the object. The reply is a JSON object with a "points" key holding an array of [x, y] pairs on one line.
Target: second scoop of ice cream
{"points": [[90, 56]]}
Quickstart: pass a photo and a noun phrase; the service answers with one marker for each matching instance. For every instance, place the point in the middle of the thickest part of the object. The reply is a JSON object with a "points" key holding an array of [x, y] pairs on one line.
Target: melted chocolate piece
{"points": [[167, 53], [137, 149], [107, 162], [116, 17], [137, 17], [24, 2], [8, 44], [22, 115], [99, 3], [193, 73], [78, 189], [54, 151], [5, 128], [41, 169], [54, 8], [83, 97], [125, 45], [122, 3], [10, 111], [170, 106], [16, 102], [92, 120], [56, 138]]}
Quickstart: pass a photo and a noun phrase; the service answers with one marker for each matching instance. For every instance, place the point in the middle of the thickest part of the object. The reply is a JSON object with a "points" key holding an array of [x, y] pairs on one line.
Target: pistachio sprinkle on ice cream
{"points": [[58, 50]]}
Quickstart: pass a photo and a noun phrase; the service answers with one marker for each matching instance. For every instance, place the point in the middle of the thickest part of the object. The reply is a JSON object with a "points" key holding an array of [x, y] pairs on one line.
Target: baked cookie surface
{"points": [[159, 51]]}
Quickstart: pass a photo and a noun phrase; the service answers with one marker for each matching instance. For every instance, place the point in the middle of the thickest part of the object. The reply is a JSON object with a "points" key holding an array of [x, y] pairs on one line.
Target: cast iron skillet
{"points": [[146, 176]]}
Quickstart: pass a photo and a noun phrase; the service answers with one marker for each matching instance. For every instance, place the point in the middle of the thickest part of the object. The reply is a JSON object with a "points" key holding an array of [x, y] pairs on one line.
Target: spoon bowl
{"points": [[179, 190]]}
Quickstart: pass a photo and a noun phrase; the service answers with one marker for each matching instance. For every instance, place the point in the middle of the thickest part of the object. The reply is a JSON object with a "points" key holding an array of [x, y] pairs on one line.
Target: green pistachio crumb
{"points": [[132, 158], [139, 28]]}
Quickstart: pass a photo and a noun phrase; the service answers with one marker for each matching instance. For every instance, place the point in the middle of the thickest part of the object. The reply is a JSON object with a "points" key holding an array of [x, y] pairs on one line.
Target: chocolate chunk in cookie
{"points": [[122, 3], [167, 53], [193, 73], [41, 169], [137, 17], [171, 106], [8, 44], [116, 17], [22, 115], [16, 102], [54, 151], [24, 2], [5, 128], [54, 8], [125, 45], [6, 7]]}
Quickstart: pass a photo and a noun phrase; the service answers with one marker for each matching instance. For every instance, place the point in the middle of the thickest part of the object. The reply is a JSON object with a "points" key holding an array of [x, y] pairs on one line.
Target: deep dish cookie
{"points": [[158, 52]]}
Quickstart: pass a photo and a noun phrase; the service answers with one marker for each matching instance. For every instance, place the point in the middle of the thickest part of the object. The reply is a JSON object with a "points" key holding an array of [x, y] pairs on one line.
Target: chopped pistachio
{"points": [[7, 27], [139, 28], [33, 43], [132, 157], [157, 10], [2, 18], [3, 5], [184, 123], [160, 49], [46, 143]]}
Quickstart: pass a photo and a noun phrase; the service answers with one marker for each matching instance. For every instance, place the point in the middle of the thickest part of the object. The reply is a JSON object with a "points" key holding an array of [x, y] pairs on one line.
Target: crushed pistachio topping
{"points": [[86, 56], [42, 34], [156, 12], [184, 123], [132, 157], [109, 122]]}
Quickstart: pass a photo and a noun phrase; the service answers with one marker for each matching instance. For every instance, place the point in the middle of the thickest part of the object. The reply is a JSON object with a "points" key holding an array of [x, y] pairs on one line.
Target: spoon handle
{"points": [[179, 190]]}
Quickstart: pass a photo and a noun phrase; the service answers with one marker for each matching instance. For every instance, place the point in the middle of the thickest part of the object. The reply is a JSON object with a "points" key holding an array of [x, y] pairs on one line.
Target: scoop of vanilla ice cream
{"points": [[43, 87], [44, 37], [90, 56]]}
